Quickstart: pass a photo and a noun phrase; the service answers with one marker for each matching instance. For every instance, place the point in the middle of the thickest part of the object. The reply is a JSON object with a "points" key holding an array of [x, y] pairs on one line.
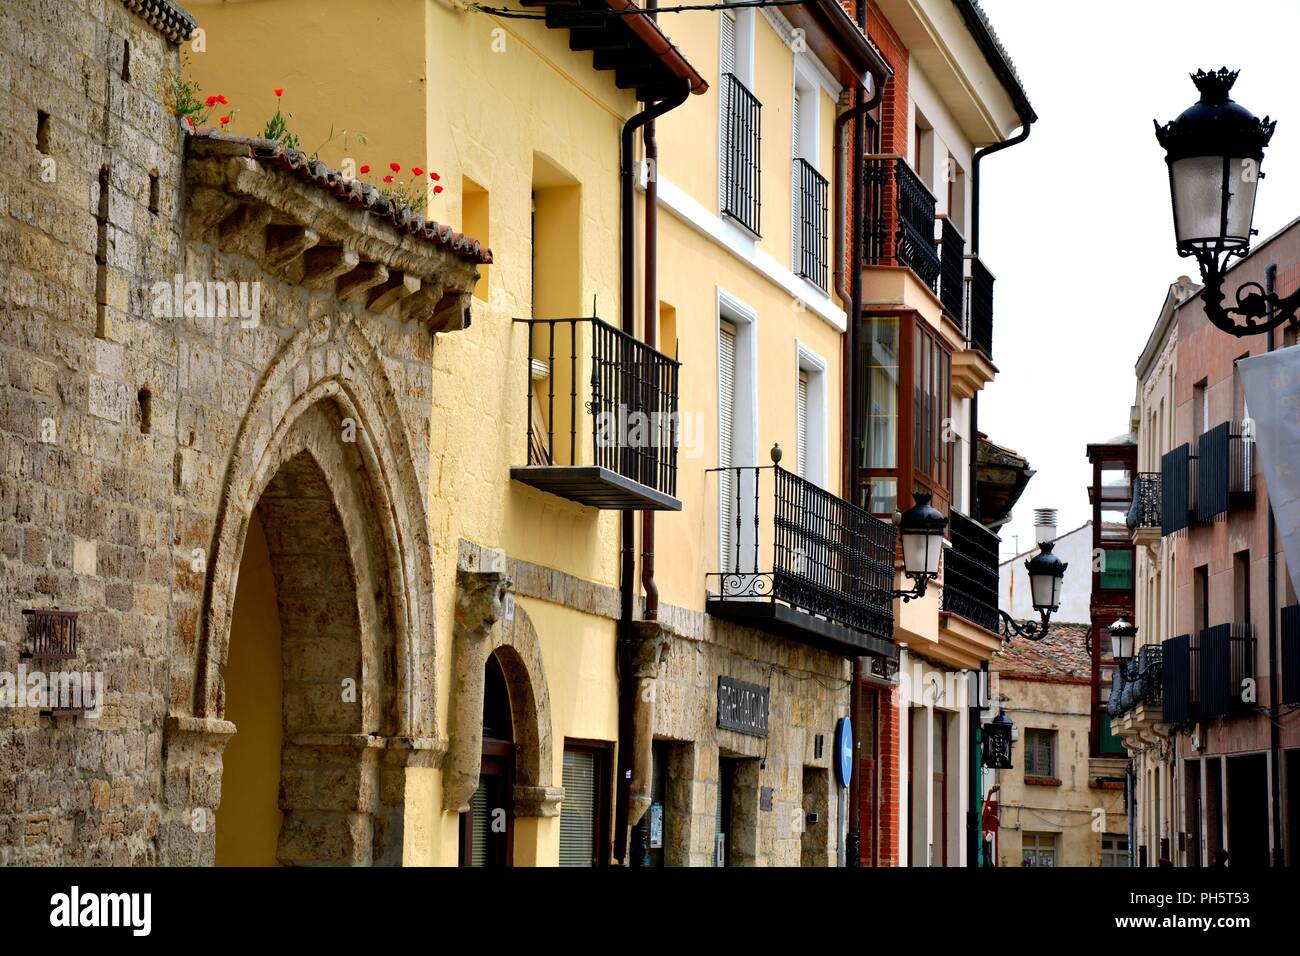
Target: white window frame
{"points": [[818, 438], [744, 442]]}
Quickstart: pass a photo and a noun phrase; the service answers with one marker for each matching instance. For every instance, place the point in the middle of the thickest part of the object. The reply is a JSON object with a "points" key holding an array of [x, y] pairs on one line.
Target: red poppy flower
{"points": [[436, 190], [279, 91], [211, 101], [417, 171], [225, 120], [365, 168], [394, 167], [221, 98], [435, 177], [388, 179]]}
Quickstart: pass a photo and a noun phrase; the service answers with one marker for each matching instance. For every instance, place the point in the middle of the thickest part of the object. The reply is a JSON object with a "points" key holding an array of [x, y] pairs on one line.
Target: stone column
{"points": [[480, 603], [650, 644], [192, 749]]}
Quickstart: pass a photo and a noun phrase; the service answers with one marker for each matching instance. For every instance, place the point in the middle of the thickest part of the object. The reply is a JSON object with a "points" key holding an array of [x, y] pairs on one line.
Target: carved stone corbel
{"points": [[480, 603], [649, 646]]}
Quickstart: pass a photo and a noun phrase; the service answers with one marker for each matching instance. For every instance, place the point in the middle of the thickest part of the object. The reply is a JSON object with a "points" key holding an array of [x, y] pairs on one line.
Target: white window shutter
{"points": [[726, 437], [726, 64], [578, 810], [796, 220], [801, 428]]}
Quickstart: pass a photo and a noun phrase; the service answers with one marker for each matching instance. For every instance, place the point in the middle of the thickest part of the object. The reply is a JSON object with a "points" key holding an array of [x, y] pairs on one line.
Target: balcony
{"points": [[1181, 679], [1290, 653], [603, 425], [742, 171], [802, 563], [811, 192], [1137, 700], [979, 308], [900, 220], [1144, 513], [1177, 490], [970, 572], [952, 270], [1227, 661], [1225, 470]]}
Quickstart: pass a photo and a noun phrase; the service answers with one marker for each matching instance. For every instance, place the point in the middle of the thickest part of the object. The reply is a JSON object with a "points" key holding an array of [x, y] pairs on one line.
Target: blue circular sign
{"points": [[844, 751]]}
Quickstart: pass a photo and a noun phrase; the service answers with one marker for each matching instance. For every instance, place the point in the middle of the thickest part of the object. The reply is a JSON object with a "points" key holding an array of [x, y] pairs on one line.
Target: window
{"points": [[1200, 408], [810, 418], [1040, 753], [907, 441], [1241, 587], [738, 120], [1114, 850], [585, 810], [722, 818], [801, 425], [931, 410], [809, 190], [474, 216], [1038, 849], [879, 461], [737, 448], [1116, 573], [1201, 598], [726, 438]]}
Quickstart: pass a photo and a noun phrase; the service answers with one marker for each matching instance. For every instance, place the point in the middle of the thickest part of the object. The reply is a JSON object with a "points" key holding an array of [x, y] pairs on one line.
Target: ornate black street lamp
{"points": [[1046, 571], [1214, 150], [921, 528], [1122, 634], [998, 735]]}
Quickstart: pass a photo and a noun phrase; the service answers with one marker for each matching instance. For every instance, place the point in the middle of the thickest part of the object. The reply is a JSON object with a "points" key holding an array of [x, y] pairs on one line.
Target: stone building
{"points": [[1051, 809]]}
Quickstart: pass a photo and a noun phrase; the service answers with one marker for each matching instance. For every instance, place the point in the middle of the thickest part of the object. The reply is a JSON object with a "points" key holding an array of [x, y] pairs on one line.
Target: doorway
{"points": [[487, 828]]}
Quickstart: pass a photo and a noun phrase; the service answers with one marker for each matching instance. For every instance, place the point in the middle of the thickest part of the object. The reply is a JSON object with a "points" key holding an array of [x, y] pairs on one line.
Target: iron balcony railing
{"points": [[979, 308], [1225, 469], [811, 232], [1290, 653], [970, 572], [741, 192], [952, 270], [1145, 510], [598, 396], [1138, 681], [788, 541], [1177, 489], [1181, 679], [1227, 665], [899, 228]]}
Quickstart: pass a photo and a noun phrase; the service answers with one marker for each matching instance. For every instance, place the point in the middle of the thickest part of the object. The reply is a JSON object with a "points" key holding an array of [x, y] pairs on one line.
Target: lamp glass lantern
{"points": [[921, 528], [1123, 633], [1214, 150], [1046, 572]]}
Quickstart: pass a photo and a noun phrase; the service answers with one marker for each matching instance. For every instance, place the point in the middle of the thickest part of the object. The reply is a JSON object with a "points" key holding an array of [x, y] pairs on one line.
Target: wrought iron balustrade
{"points": [[1227, 663], [1145, 510], [789, 542], [1138, 681], [900, 219], [970, 572], [979, 308], [741, 187], [952, 270], [602, 418], [811, 232]]}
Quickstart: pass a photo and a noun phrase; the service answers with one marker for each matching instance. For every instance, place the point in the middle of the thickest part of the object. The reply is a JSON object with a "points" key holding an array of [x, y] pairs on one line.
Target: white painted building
{"points": [[1075, 549]]}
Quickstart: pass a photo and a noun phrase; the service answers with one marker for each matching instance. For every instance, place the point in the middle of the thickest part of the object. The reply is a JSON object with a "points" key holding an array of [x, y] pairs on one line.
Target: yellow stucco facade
{"points": [[525, 137]]}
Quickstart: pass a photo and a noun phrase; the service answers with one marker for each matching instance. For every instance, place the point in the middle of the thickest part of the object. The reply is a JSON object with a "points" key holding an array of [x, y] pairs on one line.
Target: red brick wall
{"points": [[889, 778], [894, 126]]}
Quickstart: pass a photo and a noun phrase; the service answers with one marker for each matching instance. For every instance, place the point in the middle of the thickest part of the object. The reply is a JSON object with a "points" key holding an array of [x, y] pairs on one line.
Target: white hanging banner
{"points": [[1272, 385]]}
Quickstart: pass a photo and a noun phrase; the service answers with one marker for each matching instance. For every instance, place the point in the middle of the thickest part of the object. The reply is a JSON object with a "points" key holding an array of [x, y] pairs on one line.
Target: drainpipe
{"points": [[853, 295], [1274, 701], [1026, 121], [627, 665]]}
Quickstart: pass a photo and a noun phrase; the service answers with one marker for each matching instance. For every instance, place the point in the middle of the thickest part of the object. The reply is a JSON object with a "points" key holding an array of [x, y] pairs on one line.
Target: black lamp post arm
{"points": [[1253, 302], [1008, 627]]}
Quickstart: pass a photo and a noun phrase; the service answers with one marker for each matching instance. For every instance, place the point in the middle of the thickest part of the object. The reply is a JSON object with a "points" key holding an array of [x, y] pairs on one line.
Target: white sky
{"points": [[1075, 222]]}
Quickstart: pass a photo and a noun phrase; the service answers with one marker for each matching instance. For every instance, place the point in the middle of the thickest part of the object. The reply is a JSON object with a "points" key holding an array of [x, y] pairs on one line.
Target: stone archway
{"points": [[324, 459], [490, 623]]}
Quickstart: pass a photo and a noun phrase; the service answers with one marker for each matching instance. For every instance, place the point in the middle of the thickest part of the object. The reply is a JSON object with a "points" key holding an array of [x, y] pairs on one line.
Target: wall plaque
{"points": [[742, 707]]}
